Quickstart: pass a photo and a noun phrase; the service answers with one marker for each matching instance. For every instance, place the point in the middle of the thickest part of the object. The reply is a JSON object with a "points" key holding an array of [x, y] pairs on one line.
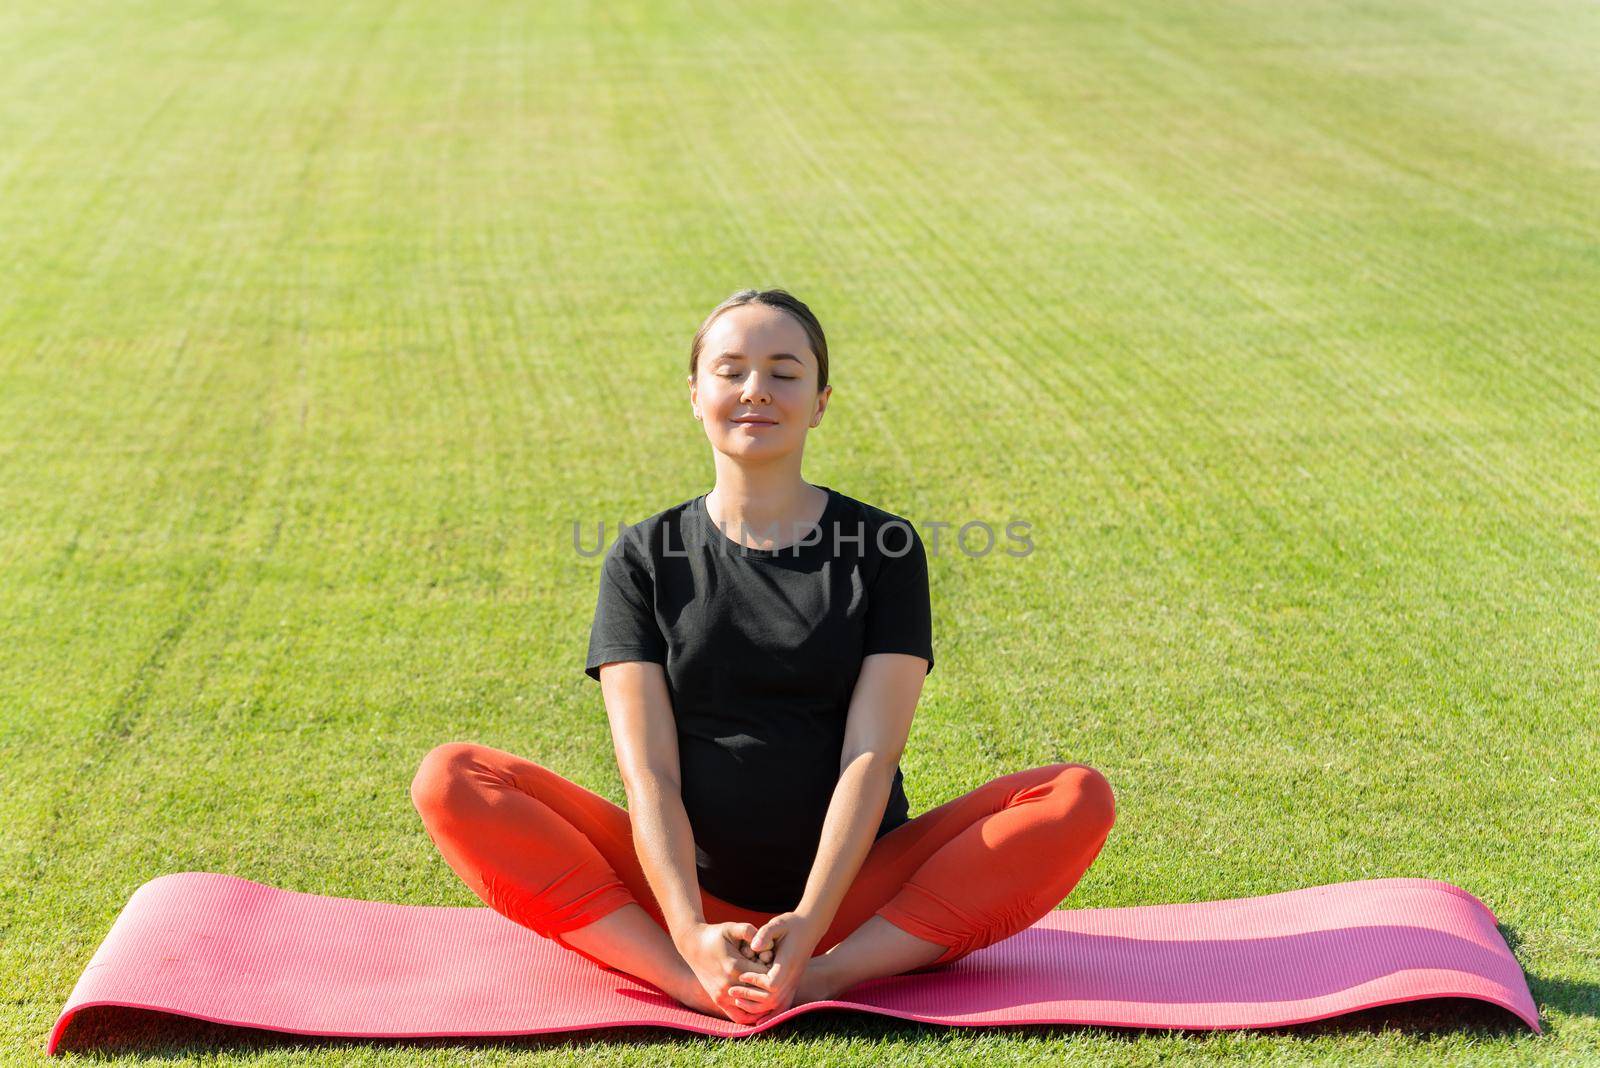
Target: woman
{"points": [[760, 688]]}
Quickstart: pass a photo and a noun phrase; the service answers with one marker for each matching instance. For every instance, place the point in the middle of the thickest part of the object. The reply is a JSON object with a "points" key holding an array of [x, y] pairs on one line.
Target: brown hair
{"points": [[776, 298]]}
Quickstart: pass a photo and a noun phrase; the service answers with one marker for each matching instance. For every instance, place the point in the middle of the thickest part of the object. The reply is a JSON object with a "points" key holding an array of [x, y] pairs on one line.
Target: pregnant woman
{"points": [[760, 650]]}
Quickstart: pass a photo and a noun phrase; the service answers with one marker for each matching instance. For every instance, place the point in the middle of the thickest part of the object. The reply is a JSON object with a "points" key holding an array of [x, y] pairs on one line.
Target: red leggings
{"points": [[553, 856]]}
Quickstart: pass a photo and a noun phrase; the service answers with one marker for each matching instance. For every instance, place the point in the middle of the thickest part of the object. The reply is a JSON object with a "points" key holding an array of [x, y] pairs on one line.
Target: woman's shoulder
{"points": [[654, 534], [873, 518], [876, 513]]}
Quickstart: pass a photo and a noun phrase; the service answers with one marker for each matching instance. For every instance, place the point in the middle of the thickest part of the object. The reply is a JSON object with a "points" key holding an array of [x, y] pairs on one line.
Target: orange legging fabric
{"points": [[553, 856]]}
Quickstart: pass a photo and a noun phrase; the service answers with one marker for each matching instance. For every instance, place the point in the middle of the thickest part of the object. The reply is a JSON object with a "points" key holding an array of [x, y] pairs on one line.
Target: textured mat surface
{"points": [[225, 949]]}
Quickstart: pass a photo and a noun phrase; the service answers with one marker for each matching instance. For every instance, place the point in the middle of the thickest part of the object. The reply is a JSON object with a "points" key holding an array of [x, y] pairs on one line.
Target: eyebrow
{"points": [[774, 356]]}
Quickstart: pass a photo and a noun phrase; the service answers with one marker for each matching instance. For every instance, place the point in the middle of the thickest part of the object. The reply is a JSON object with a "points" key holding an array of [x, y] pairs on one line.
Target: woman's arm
{"points": [[645, 735], [646, 740], [879, 721], [881, 708]]}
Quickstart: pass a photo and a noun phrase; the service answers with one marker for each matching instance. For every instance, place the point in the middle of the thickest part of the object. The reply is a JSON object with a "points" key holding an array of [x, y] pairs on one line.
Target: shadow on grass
{"points": [[1564, 995]]}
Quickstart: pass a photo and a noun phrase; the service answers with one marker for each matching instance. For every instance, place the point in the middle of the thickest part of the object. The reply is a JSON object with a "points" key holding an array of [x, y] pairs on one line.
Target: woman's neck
{"points": [[762, 509]]}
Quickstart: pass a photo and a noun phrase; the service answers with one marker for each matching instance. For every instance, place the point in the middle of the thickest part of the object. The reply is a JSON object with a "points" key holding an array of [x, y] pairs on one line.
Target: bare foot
{"points": [[692, 995], [817, 982]]}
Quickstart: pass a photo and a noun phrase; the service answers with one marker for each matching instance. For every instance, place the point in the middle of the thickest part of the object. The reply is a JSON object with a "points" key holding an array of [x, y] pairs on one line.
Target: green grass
{"points": [[1277, 322]]}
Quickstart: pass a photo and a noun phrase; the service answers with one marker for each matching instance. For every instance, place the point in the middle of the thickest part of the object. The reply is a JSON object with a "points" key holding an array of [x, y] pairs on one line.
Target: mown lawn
{"points": [[321, 325]]}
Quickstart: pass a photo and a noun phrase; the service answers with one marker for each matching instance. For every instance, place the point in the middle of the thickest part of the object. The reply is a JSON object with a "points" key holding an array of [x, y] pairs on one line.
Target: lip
{"points": [[755, 422]]}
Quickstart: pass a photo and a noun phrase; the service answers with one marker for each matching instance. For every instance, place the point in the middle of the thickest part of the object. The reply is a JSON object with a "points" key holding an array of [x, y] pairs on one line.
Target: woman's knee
{"points": [[442, 776], [1087, 797]]}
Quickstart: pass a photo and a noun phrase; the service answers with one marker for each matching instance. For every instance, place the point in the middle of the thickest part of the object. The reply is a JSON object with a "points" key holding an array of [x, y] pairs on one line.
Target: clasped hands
{"points": [[750, 972]]}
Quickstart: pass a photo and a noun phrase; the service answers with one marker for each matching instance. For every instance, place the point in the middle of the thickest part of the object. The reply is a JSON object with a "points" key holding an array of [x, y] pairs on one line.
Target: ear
{"points": [[822, 403]]}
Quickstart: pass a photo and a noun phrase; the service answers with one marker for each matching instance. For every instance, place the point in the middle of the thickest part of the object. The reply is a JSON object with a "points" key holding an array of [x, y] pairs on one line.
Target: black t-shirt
{"points": [[762, 648]]}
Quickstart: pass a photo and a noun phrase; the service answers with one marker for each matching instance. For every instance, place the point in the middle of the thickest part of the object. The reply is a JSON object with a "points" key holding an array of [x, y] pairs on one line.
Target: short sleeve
{"points": [[899, 608], [624, 625]]}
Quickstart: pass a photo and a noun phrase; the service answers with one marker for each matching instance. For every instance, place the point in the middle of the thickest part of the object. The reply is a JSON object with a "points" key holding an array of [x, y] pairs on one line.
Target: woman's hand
{"points": [[764, 957], [790, 937], [718, 954]]}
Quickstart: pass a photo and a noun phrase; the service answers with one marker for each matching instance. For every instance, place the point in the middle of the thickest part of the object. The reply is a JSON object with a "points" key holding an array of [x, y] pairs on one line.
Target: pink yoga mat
{"points": [[220, 948]]}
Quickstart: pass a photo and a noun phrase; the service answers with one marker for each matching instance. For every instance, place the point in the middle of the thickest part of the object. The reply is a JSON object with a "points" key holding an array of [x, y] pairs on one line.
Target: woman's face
{"points": [[756, 364]]}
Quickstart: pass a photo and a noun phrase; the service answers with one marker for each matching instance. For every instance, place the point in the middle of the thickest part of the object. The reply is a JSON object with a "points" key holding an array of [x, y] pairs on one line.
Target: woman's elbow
{"points": [[648, 782], [875, 761]]}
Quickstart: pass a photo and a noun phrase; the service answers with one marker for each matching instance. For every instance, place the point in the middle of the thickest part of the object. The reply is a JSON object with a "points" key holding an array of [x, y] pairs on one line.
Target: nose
{"points": [[755, 386]]}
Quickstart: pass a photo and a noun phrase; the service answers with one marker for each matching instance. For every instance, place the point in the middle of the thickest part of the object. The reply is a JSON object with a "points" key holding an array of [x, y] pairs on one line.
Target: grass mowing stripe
{"points": [[1223, 263], [1515, 295]]}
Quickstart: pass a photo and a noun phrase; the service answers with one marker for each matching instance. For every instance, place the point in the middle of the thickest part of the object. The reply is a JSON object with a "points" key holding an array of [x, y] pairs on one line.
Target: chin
{"points": [[754, 448]]}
